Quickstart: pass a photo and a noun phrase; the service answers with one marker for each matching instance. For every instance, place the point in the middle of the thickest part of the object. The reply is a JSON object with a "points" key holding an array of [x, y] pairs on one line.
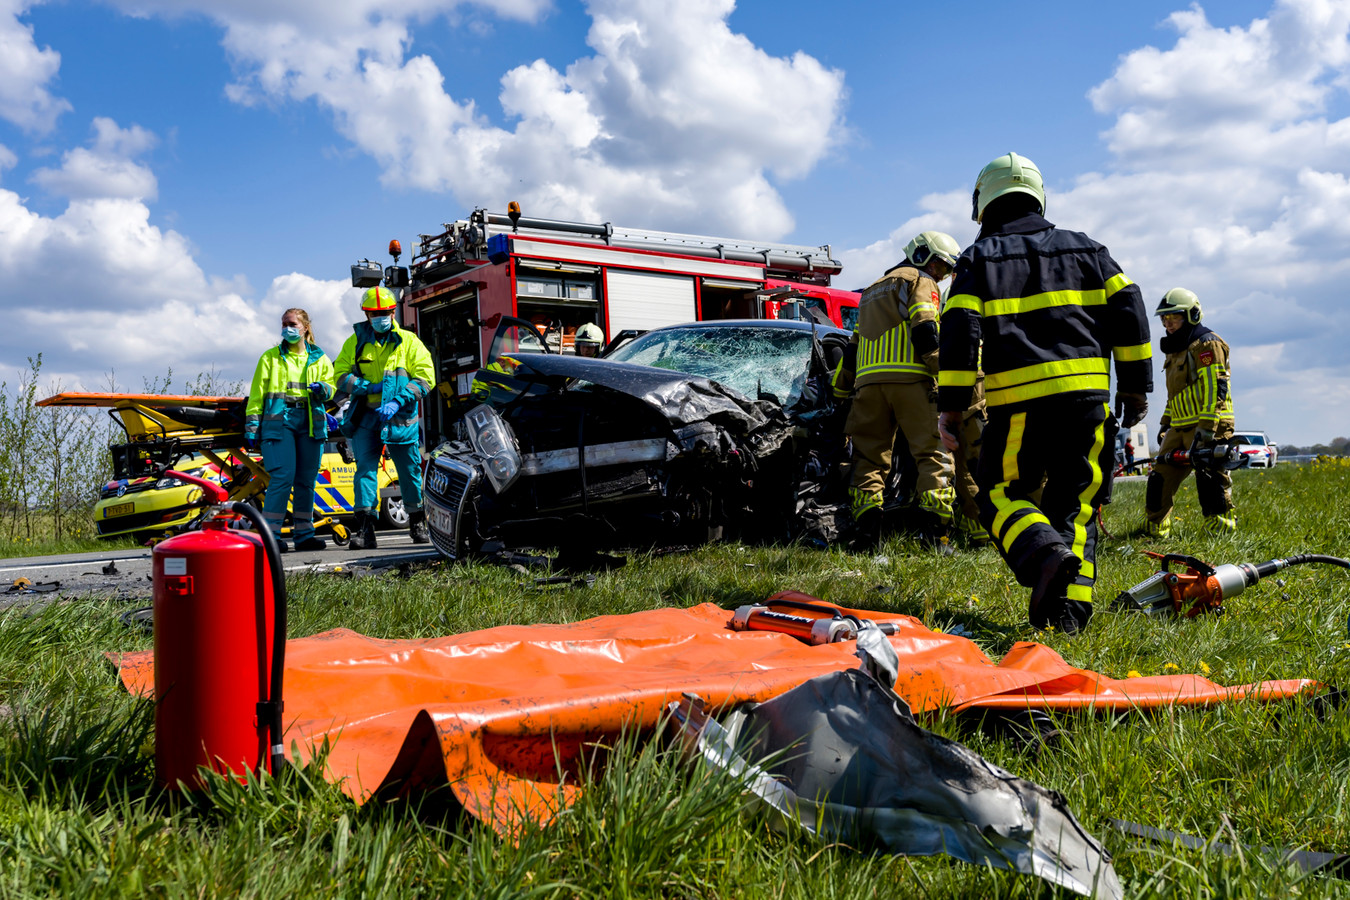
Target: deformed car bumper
{"points": [[449, 485]]}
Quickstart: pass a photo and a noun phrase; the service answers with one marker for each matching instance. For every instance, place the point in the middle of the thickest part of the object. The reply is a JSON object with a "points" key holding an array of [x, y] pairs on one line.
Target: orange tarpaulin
{"points": [[492, 712]]}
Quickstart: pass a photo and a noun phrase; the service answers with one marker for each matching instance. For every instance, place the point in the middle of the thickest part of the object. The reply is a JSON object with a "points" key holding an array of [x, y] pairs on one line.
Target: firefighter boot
{"points": [[1058, 568], [417, 526], [1158, 529], [866, 531], [363, 531]]}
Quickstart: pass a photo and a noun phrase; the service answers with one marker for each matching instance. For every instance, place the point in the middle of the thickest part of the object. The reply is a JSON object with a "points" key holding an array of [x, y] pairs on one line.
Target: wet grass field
{"points": [[79, 815]]}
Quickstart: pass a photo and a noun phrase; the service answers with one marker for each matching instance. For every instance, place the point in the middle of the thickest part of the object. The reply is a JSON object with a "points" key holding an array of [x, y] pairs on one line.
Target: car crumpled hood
{"points": [[700, 412]]}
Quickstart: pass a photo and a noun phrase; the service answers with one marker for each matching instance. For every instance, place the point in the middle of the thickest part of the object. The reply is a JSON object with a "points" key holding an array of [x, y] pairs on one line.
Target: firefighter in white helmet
{"points": [[588, 340], [891, 365], [1052, 309], [1199, 413]]}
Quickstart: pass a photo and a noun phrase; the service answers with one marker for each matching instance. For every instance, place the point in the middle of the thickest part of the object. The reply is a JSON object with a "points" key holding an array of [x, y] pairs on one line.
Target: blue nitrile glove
{"points": [[316, 388], [388, 410], [334, 423], [250, 442]]}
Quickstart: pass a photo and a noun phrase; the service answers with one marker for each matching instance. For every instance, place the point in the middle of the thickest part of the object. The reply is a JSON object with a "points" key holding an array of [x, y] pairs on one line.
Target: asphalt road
{"points": [[125, 574]]}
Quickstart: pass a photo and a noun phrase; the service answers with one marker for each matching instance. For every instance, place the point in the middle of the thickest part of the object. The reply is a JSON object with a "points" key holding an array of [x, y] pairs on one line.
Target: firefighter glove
{"points": [[388, 410], [1130, 408], [1204, 437]]}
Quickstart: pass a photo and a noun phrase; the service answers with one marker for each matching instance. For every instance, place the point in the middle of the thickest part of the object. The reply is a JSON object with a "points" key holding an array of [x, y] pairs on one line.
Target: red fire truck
{"points": [[470, 280]]}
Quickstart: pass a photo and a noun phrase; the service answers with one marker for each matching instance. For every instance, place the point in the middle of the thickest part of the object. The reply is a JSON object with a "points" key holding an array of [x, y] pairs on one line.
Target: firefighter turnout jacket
{"points": [[282, 379], [374, 367], [1196, 369], [896, 338], [1053, 308]]}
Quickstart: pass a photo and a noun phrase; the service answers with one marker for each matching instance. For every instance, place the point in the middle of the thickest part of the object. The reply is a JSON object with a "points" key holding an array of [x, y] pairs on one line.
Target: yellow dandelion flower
{"points": [[1172, 666], [1133, 674], [1204, 667]]}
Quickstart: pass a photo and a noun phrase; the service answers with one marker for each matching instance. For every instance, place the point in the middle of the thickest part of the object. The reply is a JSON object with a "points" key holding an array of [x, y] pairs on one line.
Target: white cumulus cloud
{"points": [[675, 121], [106, 169], [26, 70]]}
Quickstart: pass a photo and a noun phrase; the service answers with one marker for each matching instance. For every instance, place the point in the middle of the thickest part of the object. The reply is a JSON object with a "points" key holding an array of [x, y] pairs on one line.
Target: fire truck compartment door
{"points": [[644, 301]]}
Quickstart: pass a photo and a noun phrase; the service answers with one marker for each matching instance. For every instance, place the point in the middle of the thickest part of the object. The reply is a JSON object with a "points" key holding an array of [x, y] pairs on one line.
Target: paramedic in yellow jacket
{"points": [[1199, 414], [386, 371], [285, 419], [893, 361]]}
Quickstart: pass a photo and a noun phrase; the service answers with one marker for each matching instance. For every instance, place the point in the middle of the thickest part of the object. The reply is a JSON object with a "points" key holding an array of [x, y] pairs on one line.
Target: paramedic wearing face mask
{"points": [[286, 419], [386, 371]]}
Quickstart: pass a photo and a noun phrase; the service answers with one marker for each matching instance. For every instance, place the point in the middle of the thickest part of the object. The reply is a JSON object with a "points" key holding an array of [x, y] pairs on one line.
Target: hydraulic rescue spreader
{"points": [[1203, 588]]}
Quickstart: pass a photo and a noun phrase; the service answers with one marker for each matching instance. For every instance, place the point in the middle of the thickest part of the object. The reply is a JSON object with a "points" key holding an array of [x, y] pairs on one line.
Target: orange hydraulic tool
{"points": [[826, 624], [1203, 588]]}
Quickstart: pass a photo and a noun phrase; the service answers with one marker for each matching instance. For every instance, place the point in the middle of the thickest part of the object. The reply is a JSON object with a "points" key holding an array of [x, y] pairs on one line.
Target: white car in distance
{"points": [[1258, 448]]}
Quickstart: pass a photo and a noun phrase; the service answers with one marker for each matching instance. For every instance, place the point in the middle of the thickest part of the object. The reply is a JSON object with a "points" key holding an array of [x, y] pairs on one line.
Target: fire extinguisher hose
{"points": [[269, 711]]}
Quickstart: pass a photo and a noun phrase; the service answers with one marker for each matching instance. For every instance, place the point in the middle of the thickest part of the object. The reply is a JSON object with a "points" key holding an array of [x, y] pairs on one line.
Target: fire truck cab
{"points": [[491, 272]]}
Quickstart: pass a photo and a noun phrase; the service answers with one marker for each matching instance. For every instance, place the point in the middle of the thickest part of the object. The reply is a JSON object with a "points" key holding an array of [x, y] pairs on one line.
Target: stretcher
{"points": [[162, 430]]}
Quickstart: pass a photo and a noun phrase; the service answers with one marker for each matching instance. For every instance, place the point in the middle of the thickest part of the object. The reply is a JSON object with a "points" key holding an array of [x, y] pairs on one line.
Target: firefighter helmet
{"points": [[1181, 302], [930, 244], [378, 299], [589, 334], [1009, 174]]}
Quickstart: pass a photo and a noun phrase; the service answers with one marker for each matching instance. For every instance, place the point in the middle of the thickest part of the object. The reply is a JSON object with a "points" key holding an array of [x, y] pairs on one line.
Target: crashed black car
{"points": [[680, 435]]}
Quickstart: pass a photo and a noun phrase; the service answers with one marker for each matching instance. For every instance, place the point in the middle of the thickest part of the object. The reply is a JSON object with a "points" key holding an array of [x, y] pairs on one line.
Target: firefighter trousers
{"points": [[878, 413], [1215, 489], [407, 460], [292, 464], [1065, 450]]}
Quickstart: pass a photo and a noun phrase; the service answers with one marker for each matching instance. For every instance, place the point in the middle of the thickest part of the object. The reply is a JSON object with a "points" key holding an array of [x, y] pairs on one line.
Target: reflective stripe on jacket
{"points": [[1052, 308], [895, 340], [265, 415], [1198, 380], [393, 365]]}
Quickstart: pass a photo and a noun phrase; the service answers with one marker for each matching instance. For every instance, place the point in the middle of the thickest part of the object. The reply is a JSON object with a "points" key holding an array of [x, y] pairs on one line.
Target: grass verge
{"points": [[79, 813]]}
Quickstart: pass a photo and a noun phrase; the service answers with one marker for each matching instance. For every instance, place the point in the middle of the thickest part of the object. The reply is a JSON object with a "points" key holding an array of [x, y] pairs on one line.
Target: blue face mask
{"points": [[382, 323], [290, 334]]}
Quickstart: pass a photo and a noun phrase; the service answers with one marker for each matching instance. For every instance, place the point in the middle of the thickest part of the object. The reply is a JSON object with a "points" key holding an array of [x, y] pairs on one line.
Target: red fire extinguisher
{"points": [[220, 645]]}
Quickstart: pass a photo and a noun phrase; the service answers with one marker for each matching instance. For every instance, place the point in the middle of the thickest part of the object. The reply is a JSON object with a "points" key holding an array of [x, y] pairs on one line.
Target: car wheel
{"points": [[392, 513]]}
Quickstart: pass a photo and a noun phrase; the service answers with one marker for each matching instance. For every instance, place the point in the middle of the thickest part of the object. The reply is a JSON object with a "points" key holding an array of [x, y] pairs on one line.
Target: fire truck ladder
{"points": [[470, 237]]}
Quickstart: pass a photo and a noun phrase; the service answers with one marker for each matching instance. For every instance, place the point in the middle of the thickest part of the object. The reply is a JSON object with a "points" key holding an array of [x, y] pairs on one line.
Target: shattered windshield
{"points": [[757, 362]]}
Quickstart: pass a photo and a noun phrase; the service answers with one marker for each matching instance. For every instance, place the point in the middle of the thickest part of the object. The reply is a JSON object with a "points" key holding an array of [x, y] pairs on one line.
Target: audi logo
{"points": [[438, 481]]}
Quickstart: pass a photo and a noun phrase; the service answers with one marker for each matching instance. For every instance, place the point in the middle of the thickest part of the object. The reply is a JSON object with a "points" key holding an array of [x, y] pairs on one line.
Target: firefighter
{"points": [[1052, 308], [588, 340], [286, 417], [386, 371], [1199, 414], [891, 364]]}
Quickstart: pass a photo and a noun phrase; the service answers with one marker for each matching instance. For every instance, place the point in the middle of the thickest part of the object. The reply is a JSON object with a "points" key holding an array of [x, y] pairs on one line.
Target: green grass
{"points": [[48, 546], [79, 815]]}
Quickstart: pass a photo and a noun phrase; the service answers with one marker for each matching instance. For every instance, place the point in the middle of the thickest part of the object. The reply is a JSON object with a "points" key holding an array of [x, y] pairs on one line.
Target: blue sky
{"points": [[174, 173]]}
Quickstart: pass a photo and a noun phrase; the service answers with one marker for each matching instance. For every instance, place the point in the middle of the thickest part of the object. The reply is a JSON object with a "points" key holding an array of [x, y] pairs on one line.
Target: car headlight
{"points": [[493, 440]]}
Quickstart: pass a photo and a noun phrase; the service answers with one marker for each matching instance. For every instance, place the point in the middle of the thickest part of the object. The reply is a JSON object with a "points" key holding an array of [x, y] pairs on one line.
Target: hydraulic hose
{"points": [[1266, 569], [269, 711]]}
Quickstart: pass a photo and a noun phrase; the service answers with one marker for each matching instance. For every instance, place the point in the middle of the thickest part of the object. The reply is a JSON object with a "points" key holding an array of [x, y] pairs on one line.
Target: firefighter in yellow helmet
{"points": [[1199, 414], [891, 364], [1043, 310], [386, 371], [588, 340]]}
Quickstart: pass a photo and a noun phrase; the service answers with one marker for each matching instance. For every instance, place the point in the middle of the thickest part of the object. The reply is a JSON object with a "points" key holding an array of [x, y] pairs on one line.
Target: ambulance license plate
{"points": [[120, 509]]}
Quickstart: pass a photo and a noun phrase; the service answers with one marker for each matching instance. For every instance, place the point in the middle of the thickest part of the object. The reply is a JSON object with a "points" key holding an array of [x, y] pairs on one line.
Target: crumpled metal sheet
{"points": [[703, 414], [842, 756], [493, 713]]}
